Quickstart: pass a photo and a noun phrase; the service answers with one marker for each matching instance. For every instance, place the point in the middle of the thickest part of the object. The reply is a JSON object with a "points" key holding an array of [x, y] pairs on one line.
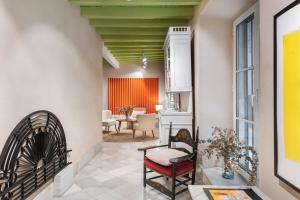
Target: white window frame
{"points": [[254, 10]]}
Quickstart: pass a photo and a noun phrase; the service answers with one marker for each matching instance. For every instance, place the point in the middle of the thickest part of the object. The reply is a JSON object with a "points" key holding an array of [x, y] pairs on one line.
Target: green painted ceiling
{"points": [[131, 27]]}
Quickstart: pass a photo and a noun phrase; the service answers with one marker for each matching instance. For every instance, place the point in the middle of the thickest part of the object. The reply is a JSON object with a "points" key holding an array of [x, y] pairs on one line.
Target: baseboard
{"points": [[47, 193], [87, 157]]}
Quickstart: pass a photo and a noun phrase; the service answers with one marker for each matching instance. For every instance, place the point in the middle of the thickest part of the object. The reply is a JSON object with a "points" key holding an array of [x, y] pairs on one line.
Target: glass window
{"points": [[244, 90]]}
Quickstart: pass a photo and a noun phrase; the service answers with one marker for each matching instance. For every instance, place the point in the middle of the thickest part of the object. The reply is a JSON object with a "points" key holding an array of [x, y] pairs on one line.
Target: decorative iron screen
{"points": [[34, 153]]}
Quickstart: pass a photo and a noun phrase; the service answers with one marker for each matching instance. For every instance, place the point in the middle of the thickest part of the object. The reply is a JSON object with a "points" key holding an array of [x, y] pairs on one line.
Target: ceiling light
{"points": [[144, 61]]}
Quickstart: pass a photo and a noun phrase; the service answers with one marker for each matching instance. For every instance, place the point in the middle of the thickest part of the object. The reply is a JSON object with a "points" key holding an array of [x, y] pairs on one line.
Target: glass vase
{"points": [[228, 171]]}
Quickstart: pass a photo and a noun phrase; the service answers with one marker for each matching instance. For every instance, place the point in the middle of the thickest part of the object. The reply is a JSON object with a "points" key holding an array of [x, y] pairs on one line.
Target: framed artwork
{"points": [[287, 94], [225, 194]]}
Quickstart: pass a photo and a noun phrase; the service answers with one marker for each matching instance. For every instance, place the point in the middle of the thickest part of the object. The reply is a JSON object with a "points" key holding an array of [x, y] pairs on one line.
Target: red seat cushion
{"points": [[181, 168]]}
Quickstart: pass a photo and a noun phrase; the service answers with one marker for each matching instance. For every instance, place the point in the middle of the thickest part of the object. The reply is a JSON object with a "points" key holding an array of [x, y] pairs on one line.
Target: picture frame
{"points": [[286, 93], [226, 193]]}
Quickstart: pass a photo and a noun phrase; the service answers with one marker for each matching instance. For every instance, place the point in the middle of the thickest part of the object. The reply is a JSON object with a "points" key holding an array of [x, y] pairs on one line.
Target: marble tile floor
{"points": [[115, 174]]}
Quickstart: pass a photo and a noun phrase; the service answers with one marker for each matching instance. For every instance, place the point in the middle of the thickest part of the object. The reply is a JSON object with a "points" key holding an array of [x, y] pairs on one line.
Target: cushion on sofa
{"points": [[163, 156]]}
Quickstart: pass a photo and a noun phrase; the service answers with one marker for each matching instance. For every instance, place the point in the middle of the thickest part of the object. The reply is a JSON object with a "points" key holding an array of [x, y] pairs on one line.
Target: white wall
{"points": [[213, 73], [268, 182], [213, 26], [50, 58], [213, 56], [134, 71]]}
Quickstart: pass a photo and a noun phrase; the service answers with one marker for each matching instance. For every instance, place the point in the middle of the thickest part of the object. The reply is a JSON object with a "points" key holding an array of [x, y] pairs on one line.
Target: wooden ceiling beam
{"points": [[120, 60], [139, 63], [134, 44], [135, 3], [137, 58], [138, 12], [135, 50], [133, 38], [131, 31], [150, 54], [139, 23]]}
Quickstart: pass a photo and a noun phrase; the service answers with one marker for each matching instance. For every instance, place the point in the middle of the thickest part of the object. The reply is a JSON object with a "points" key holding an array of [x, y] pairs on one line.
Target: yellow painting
{"points": [[229, 194], [291, 95]]}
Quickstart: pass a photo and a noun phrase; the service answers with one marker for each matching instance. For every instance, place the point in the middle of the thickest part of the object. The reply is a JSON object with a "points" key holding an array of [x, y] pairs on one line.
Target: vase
{"points": [[126, 115], [228, 171]]}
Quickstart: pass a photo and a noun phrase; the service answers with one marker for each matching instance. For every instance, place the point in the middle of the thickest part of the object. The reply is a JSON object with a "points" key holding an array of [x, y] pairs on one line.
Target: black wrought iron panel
{"points": [[34, 153]]}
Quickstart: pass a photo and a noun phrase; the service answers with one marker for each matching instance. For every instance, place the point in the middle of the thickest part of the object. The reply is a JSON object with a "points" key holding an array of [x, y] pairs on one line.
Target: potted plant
{"points": [[226, 144]]}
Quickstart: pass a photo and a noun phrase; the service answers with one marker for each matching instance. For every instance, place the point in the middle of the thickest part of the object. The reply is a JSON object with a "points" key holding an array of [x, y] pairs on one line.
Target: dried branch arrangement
{"points": [[226, 144]]}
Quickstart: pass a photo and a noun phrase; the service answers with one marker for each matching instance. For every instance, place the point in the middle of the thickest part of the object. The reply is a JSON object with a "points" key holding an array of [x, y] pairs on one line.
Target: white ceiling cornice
{"points": [[110, 58]]}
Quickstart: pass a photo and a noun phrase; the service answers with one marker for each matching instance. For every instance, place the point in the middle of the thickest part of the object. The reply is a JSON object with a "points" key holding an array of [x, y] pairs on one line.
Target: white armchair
{"points": [[108, 121], [145, 122], [137, 111]]}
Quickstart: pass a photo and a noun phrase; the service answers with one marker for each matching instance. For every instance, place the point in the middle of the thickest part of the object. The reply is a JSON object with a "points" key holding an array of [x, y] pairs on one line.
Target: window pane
{"points": [[250, 44], [241, 44], [244, 94], [240, 130], [244, 44], [245, 134]]}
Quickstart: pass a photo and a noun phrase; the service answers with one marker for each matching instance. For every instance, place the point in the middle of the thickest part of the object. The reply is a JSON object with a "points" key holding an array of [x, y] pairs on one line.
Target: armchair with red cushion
{"points": [[178, 164]]}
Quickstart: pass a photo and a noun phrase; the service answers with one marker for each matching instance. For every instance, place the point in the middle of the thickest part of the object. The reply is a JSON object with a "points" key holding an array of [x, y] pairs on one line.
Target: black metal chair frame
{"points": [[183, 136]]}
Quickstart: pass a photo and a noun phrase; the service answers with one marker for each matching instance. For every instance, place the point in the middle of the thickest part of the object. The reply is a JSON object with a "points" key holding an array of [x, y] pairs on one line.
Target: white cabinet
{"points": [[178, 60], [178, 75]]}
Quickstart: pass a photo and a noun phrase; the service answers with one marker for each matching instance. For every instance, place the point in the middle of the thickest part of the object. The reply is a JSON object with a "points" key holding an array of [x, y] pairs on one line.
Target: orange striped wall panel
{"points": [[139, 92]]}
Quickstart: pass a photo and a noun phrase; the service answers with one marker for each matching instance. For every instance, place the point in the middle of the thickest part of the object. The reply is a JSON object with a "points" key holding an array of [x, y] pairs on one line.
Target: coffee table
{"points": [[197, 192], [130, 121]]}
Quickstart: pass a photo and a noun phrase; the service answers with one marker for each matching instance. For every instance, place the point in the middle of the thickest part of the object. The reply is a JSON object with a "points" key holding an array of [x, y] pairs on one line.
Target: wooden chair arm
{"points": [[182, 159], [151, 147]]}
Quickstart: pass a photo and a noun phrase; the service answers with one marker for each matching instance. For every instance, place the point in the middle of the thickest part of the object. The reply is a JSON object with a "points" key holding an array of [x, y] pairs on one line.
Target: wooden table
{"points": [[130, 121]]}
